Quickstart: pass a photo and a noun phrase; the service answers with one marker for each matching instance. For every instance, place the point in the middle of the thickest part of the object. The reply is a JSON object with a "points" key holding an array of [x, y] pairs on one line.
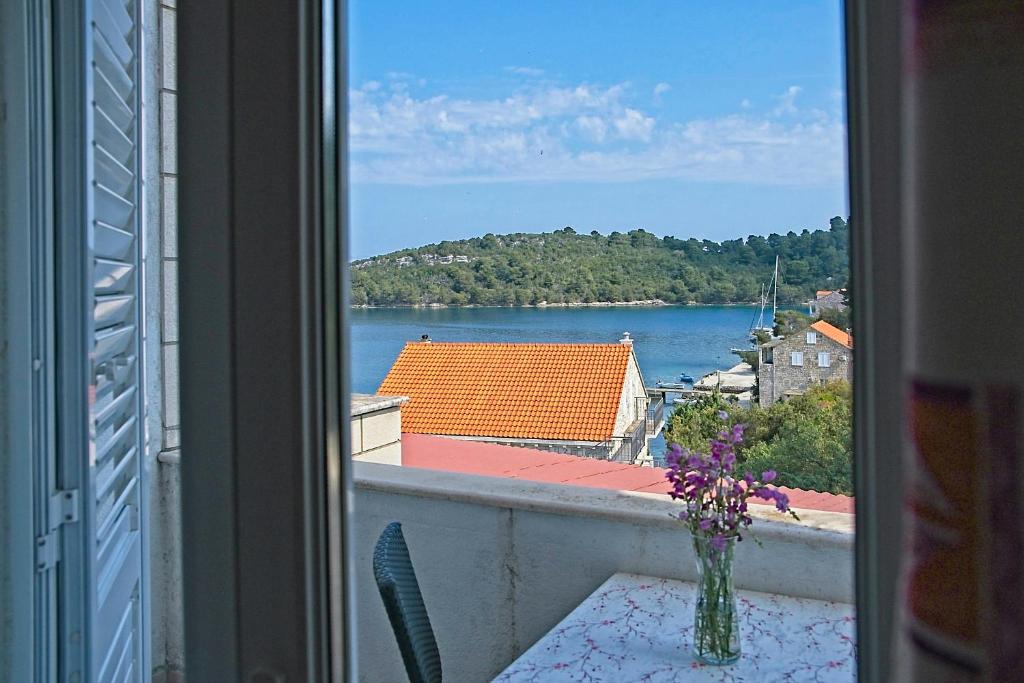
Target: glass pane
{"points": [[578, 239]]}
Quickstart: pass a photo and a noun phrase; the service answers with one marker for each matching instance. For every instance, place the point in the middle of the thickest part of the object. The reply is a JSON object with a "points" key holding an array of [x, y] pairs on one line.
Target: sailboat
{"points": [[773, 290]]}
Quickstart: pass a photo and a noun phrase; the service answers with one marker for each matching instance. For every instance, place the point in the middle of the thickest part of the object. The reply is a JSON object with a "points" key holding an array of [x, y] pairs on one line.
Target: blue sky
{"points": [[691, 118]]}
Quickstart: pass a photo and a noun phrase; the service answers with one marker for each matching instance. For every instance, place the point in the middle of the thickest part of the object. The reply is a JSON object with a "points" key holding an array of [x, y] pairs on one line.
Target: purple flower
{"points": [[718, 542], [722, 415], [768, 476], [705, 524]]}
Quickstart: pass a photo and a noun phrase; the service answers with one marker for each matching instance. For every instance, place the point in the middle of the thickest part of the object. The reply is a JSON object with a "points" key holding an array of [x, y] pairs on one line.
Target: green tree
{"points": [[788, 322], [619, 267], [807, 440]]}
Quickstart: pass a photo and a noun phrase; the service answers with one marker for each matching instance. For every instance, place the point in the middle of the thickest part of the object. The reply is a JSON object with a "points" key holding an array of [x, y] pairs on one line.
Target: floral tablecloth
{"points": [[638, 628]]}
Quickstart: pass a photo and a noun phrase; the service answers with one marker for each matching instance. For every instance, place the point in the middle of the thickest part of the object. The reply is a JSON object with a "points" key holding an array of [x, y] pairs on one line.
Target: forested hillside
{"points": [[566, 267]]}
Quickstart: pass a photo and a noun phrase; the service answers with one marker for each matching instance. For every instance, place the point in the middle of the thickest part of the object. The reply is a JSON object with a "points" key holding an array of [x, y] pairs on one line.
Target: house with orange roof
{"points": [[788, 366], [579, 399], [826, 300]]}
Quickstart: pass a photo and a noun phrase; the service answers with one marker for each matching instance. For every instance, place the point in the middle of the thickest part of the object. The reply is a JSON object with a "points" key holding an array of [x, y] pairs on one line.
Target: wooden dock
{"points": [[664, 391]]}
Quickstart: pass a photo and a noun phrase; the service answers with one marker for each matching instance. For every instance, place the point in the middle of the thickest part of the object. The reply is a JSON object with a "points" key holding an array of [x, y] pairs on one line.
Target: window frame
{"points": [[873, 86], [828, 359], [249, 291], [795, 356], [812, 337], [874, 89]]}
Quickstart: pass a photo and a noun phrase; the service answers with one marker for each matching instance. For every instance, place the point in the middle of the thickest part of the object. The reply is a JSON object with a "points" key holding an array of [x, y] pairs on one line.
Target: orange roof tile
{"points": [[833, 333], [528, 391], [825, 292]]}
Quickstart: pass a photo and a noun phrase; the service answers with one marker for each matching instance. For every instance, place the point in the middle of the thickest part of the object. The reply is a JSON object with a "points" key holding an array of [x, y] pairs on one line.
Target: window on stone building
{"points": [[824, 360], [812, 337], [796, 358]]}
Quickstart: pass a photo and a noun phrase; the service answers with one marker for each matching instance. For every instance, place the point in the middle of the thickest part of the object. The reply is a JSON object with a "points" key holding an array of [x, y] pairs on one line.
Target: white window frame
{"points": [[824, 359], [796, 359], [812, 337]]}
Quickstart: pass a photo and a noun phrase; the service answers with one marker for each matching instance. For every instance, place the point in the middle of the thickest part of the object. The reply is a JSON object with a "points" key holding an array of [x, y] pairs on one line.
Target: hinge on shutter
{"points": [[47, 551], [63, 510]]}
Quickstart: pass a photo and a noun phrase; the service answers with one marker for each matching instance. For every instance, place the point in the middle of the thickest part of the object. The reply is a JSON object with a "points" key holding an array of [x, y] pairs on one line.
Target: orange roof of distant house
{"points": [[824, 292], [530, 391], [833, 333]]}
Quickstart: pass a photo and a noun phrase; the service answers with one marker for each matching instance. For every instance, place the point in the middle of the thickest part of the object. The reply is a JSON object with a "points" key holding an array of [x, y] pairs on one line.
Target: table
{"points": [[638, 628]]}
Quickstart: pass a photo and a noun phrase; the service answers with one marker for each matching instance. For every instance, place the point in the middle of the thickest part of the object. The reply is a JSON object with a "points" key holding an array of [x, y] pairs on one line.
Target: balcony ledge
{"points": [[835, 529]]}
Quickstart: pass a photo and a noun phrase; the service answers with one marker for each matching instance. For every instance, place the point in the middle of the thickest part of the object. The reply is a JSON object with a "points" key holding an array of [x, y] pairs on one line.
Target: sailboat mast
{"points": [[775, 292]]}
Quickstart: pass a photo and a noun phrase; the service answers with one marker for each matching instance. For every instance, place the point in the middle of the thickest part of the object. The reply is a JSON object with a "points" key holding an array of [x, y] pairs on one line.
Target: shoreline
{"points": [[648, 303]]}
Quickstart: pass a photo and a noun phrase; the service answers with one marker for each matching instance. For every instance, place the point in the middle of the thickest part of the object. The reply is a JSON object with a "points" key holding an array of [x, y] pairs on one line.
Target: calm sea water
{"points": [[668, 340]]}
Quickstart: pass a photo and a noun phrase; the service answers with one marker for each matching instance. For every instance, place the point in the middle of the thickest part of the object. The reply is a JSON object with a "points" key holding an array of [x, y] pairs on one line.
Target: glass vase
{"points": [[716, 626]]}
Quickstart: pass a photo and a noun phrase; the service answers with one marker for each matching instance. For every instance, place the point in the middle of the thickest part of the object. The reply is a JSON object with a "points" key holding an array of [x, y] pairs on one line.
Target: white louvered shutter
{"points": [[115, 504]]}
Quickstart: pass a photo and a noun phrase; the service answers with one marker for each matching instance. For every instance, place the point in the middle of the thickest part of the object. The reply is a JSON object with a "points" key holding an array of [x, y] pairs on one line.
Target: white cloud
{"points": [[530, 71], [661, 88], [593, 128], [745, 104], [584, 133], [633, 125], [787, 101]]}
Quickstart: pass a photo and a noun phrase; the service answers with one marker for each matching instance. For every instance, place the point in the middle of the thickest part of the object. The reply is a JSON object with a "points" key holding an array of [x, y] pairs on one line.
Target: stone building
{"points": [[826, 300], [816, 354]]}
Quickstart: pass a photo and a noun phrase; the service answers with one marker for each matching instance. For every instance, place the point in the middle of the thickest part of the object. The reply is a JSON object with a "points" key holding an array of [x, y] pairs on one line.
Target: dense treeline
{"points": [[566, 267], [807, 439]]}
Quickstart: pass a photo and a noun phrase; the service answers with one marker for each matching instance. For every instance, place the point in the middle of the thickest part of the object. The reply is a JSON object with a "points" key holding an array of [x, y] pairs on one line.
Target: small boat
{"points": [[682, 386], [685, 378]]}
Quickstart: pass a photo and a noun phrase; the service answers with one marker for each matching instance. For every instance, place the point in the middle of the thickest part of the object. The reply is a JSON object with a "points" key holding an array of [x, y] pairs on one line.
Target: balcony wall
{"points": [[377, 428], [501, 561]]}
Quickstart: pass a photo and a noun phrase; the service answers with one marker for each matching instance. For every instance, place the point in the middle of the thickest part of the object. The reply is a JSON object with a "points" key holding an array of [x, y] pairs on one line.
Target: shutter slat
{"points": [[117, 580], [111, 102], [116, 406], [112, 310], [107, 64], [116, 599], [111, 207], [117, 533], [111, 277], [107, 27], [118, 13], [112, 139], [112, 173], [112, 342], [111, 243], [108, 477], [112, 380], [121, 635], [117, 429], [117, 511]]}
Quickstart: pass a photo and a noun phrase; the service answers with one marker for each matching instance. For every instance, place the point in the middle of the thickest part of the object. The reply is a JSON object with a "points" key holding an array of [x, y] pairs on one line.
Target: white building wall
{"points": [[632, 389], [377, 436], [160, 337]]}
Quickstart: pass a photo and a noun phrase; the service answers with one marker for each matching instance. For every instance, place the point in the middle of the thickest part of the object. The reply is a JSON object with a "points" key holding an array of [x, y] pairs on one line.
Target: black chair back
{"points": [[392, 567]]}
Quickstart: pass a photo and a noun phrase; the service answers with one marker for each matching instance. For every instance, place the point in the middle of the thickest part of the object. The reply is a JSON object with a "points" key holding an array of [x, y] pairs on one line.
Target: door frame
{"points": [[29, 466], [263, 391]]}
